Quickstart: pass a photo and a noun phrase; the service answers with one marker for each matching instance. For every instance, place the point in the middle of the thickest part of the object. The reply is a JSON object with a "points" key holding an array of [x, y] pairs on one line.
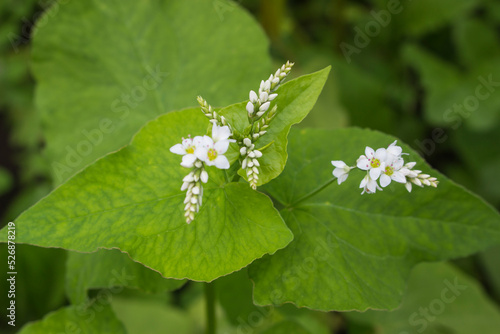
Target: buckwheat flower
{"points": [[373, 162], [394, 151], [259, 102], [341, 171], [220, 133], [408, 186], [250, 108], [253, 97], [187, 149], [212, 153], [193, 184], [413, 176], [392, 172], [250, 163], [369, 185]]}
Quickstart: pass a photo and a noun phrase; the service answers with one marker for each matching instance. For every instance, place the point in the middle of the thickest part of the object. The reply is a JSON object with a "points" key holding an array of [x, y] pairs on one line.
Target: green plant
{"points": [[250, 210]]}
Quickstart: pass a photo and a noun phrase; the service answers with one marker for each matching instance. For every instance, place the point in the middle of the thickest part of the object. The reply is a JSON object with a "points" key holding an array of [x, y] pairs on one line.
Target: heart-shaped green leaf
{"points": [[93, 318], [352, 251], [131, 200], [438, 296], [127, 62], [111, 269], [140, 315]]}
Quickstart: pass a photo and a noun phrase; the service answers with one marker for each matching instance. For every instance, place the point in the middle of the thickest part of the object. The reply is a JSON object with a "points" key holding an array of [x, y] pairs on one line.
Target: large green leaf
{"points": [[439, 299], [131, 200], [490, 260], [352, 251], [239, 309], [95, 88], [94, 318], [111, 269], [295, 99], [151, 317]]}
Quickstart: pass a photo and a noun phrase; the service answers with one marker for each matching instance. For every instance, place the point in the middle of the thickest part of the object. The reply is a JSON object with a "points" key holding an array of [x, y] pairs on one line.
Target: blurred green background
{"points": [[427, 72]]}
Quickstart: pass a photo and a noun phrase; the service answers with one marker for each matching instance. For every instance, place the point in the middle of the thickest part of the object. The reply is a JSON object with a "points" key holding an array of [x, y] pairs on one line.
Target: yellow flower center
{"points": [[212, 154], [389, 170], [190, 150], [375, 163]]}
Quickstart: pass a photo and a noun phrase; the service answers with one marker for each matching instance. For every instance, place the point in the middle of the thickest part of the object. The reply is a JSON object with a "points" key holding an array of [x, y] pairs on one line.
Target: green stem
{"points": [[311, 194], [210, 307]]}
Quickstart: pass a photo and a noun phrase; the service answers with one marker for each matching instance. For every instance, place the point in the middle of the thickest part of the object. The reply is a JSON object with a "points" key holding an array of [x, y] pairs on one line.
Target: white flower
{"points": [[260, 101], [253, 97], [392, 171], [369, 185], [408, 186], [394, 150], [220, 133], [212, 153], [408, 171], [341, 171], [204, 176], [187, 148], [250, 108], [373, 161]]}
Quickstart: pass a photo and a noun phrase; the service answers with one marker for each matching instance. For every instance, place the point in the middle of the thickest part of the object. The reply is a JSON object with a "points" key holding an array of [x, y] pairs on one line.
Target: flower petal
{"points": [[204, 177], [221, 162], [398, 177], [178, 149], [207, 142], [398, 163], [381, 154], [375, 173], [338, 172], [221, 146], [342, 178], [188, 160], [215, 131], [372, 186], [339, 163], [363, 163], [253, 96], [369, 152], [395, 150], [198, 141], [224, 133], [385, 180], [201, 153], [364, 182], [250, 107]]}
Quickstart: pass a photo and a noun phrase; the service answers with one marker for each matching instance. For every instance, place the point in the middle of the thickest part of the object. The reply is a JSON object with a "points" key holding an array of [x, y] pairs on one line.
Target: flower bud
{"points": [[250, 108]]}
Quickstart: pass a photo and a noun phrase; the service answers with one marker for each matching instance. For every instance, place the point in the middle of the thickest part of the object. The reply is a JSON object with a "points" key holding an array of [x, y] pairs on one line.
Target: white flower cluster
{"points": [[202, 151], [196, 153], [250, 162], [384, 165], [259, 103], [211, 114], [259, 116]]}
